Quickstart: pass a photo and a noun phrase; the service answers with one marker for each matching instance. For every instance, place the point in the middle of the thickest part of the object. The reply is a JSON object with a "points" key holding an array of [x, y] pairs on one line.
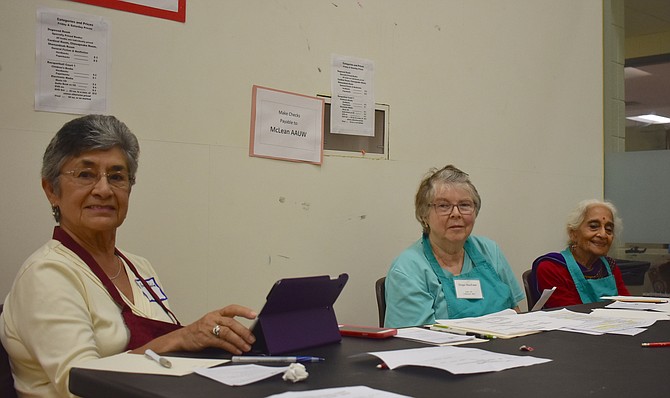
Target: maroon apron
{"points": [[142, 330]]}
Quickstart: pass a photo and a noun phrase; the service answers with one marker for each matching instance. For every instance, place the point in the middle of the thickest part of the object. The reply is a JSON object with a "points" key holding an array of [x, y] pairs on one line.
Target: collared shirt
{"points": [[59, 314], [414, 294]]}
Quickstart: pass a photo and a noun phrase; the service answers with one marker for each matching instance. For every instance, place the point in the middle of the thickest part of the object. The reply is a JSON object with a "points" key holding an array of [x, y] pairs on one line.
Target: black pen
{"points": [[448, 329]]}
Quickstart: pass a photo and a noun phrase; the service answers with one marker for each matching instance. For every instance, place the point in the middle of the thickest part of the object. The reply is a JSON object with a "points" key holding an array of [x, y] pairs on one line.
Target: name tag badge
{"points": [[468, 289], [154, 286]]}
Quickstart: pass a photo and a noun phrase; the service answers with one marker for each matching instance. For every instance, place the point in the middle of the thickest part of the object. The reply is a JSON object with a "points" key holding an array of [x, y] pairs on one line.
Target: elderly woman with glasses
{"points": [[79, 297], [582, 273], [448, 273]]}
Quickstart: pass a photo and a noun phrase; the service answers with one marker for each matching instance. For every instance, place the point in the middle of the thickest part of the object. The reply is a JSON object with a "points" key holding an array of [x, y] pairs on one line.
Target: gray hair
{"points": [[446, 176], [89, 133], [578, 214]]}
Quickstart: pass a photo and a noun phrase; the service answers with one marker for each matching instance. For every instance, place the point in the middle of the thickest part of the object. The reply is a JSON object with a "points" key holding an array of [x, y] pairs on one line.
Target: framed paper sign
{"points": [[168, 9], [286, 126]]}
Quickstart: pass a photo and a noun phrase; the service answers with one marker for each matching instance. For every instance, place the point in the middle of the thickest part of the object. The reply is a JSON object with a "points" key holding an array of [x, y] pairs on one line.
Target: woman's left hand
{"points": [[215, 329], [220, 329]]}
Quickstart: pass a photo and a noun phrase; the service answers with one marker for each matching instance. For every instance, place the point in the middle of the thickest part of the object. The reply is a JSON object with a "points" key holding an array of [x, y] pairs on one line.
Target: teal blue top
{"points": [[415, 296], [590, 290]]}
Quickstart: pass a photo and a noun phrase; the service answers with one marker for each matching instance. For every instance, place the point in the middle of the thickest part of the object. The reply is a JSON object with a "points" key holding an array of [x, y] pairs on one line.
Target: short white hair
{"points": [[578, 214]]}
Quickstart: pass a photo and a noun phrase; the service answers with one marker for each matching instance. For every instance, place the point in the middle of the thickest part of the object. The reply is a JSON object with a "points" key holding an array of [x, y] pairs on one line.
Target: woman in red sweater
{"points": [[582, 273]]}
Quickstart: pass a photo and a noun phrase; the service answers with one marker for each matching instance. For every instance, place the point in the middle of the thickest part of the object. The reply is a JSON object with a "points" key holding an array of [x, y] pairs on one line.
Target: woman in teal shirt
{"points": [[448, 273]]}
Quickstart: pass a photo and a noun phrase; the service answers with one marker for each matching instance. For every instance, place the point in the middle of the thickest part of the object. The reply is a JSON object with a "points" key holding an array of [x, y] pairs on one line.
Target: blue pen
{"points": [[271, 359]]}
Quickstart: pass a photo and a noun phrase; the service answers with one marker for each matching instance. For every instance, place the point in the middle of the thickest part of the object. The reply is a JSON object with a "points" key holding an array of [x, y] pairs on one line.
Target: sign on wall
{"points": [[73, 61], [286, 126]]}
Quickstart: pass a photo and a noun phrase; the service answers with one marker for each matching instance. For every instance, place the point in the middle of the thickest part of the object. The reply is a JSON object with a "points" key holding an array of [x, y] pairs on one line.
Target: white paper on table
{"points": [[138, 363], [240, 375], [617, 312], [628, 332], [456, 360], [508, 323], [659, 307], [340, 392], [591, 323], [432, 336]]}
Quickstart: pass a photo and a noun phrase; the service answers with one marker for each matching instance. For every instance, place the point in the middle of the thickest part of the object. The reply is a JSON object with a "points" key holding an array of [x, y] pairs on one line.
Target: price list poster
{"points": [[73, 62]]}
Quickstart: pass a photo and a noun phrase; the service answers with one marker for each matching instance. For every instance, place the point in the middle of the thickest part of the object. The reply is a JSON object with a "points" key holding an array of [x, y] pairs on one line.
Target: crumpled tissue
{"points": [[296, 372]]}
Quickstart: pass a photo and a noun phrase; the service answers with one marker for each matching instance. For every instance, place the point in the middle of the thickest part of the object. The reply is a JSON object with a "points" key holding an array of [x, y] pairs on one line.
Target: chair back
{"points": [[6, 380], [531, 295], [380, 292], [659, 275]]}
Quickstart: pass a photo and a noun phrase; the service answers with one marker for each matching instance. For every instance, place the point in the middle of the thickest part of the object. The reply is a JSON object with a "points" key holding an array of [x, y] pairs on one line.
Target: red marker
{"points": [[659, 344]]}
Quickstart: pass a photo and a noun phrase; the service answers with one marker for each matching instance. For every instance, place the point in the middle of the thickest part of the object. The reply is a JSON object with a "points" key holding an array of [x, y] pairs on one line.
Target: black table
{"points": [[583, 365]]}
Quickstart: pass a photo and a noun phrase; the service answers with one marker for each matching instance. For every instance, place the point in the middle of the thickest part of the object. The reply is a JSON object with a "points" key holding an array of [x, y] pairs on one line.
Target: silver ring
{"points": [[216, 330]]}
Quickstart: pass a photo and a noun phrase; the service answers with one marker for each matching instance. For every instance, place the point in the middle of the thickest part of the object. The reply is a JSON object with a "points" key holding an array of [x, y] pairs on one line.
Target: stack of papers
{"points": [[508, 324], [599, 322], [504, 324]]}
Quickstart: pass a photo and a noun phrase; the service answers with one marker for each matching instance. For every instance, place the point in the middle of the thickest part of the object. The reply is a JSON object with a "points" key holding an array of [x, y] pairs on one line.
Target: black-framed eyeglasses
{"points": [[87, 177], [445, 209]]}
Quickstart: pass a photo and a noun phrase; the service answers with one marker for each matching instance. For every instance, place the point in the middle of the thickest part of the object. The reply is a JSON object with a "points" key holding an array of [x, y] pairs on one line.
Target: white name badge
{"points": [[154, 286], [468, 289]]}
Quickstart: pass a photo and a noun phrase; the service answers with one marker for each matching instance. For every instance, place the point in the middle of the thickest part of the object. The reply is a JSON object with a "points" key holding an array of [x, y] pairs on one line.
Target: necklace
{"points": [[111, 278]]}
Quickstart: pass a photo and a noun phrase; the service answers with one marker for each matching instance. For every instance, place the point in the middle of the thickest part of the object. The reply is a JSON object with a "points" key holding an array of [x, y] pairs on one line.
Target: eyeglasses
{"points": [[445, 209], [89, 177]]}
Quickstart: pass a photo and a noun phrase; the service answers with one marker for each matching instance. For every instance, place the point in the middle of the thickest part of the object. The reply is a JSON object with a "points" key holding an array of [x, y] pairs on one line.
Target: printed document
{"points": [[456, 360], [73, 62]]}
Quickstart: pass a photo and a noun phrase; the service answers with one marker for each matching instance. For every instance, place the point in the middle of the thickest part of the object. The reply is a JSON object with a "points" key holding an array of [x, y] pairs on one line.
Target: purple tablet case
{"points": [[298, 314]]}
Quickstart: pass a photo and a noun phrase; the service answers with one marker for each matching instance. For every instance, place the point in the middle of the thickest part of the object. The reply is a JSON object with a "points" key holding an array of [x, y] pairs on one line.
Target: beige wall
{"points": [[509, 91]]}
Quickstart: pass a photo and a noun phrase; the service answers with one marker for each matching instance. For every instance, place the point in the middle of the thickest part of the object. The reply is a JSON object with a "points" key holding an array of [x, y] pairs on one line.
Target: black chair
{"points": [[532, 295], [380, 291], [659, 276], [6, 380]]}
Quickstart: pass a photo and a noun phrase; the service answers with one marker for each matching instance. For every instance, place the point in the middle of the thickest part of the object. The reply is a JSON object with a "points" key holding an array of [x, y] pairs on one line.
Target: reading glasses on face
{"points": [[89, 177], [445, 209]]}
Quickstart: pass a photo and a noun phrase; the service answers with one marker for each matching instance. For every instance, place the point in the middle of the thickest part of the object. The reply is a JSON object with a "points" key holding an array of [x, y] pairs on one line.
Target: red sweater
{"points": [[550, 274]]}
